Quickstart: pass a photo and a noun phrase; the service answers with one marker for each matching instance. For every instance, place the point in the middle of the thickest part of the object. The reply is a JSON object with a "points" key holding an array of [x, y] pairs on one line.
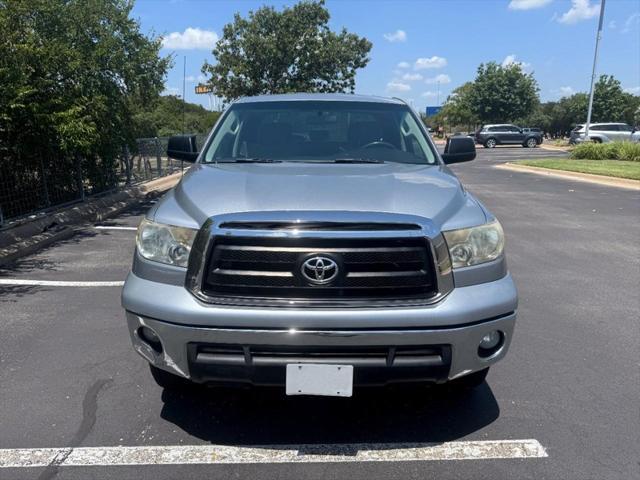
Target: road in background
{"points": [[69, 376]]}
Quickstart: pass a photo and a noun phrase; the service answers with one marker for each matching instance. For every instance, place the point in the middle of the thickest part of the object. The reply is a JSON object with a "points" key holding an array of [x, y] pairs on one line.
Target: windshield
{"points": [[324, 131]]}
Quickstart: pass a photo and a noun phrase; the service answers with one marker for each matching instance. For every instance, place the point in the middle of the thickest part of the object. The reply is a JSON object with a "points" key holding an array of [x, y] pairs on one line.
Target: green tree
{"points": [[457, 110], [72, 73], [611, 103], [292, 50], [502, 94], [163, 118]]}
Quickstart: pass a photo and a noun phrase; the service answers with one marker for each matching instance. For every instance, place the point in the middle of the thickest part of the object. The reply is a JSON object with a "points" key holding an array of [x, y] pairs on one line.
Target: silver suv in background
{"points": [[320, 242], [605, 133], [507, 134]]}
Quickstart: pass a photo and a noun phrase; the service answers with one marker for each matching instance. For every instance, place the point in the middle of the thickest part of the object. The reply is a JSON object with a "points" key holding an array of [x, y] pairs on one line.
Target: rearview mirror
{"points": [[459, 149], [183, 147]]}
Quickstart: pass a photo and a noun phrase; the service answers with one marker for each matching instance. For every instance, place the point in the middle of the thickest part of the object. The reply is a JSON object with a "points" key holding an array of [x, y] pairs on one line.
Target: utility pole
{"points": [[184, 90], [593, 72]]}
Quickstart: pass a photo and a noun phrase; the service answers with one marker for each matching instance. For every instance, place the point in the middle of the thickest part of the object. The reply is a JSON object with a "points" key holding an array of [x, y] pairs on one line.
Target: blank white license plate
{"points": [[317, 379]]}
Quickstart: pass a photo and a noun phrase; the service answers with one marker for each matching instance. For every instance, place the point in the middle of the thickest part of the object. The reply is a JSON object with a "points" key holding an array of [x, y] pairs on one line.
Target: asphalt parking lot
{"points": [[69, 377]]}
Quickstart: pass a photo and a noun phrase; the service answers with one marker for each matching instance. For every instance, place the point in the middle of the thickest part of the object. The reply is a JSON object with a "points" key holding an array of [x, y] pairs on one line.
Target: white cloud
{"points": [[412, 77], [527, 4], [633, 90], [398, 86], [634, 19], [397, 36], [441, 78], [613, 25], [428, 93], [433, 62], [190, 39], [511, 60], [404, 65], [580, 10], [172, 91], [192, 78], [566, 91]]}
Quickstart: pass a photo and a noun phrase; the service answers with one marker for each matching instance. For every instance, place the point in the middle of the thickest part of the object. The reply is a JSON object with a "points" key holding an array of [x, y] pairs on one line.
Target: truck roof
{"points": [[329, 97]]}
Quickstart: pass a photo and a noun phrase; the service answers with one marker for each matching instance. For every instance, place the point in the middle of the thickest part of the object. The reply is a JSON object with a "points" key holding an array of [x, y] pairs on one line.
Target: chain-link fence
{"points": [[50, 184]]}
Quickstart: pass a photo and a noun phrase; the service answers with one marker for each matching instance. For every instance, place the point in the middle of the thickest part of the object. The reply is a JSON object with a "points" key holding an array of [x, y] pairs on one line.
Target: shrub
{"points": [[629, 151], [626, 151]]}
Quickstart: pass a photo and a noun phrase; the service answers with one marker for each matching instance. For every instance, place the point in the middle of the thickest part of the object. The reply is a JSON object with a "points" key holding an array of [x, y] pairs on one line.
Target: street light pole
{"points": [[593, 72], [184, 91]]}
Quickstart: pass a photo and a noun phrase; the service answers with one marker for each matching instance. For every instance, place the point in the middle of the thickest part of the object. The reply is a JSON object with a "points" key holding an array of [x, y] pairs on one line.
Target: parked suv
{"points": [[320, 242], [506, 134], [605, 133]]}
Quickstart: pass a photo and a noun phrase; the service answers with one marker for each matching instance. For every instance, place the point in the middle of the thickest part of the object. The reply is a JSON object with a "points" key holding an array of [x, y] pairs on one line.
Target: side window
{"points": [[413, 138], [513, 129], [613, 128], [225, 141], [626, 128], [598, 128]]}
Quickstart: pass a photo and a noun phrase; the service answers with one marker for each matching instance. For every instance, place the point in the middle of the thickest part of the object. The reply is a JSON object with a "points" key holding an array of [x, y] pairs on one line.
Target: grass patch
{"points": [[610, 168]]}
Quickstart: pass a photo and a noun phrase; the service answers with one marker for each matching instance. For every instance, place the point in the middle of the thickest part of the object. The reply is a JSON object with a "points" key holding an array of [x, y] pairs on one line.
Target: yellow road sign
{"points": [[203, 89]]}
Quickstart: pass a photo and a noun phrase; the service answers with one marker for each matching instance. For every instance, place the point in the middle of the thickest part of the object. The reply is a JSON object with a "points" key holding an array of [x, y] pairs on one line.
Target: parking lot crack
{"points": [[89, 410]]}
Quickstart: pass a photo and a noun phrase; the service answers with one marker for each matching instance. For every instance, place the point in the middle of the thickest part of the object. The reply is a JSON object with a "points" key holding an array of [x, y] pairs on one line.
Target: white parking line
{"points": [[219, 454], [107, 227], [58, 283]]}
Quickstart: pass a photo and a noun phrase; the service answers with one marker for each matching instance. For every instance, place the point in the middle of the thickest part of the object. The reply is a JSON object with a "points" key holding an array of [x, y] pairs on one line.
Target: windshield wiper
{"points": [[356, 160], [248, 160]]}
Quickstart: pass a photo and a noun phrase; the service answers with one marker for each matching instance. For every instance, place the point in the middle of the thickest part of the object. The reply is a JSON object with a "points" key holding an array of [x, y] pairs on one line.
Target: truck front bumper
{"points": [[205, 343]]}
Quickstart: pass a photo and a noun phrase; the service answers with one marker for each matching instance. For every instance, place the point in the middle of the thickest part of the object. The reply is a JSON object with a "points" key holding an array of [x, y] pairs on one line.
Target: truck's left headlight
{"points": [[165, 243], [471, 246]]}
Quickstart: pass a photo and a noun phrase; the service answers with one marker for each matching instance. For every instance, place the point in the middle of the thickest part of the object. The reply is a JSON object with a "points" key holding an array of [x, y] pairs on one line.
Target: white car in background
{"points": [[605, 133]]}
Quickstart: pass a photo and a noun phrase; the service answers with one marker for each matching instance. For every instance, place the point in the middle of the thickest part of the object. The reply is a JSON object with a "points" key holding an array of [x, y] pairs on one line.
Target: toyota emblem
{"points": [[319, 270]]}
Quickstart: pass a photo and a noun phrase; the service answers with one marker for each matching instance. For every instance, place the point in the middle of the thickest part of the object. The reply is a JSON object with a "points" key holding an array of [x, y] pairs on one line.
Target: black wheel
{"points": [[469, 382], [531, 143], [596, 140], [168, 380], [490, 143]]}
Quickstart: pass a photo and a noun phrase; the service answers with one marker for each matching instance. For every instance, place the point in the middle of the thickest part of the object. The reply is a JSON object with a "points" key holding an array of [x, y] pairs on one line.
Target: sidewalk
{"points": [[29, 235]]}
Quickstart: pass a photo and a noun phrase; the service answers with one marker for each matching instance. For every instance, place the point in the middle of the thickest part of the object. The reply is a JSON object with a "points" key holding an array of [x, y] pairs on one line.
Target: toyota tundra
{"points": [[319, 242]]}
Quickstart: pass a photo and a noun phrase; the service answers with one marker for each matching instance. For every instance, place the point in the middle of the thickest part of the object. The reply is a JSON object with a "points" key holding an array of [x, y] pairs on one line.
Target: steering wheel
{"points": [[379, 143]]}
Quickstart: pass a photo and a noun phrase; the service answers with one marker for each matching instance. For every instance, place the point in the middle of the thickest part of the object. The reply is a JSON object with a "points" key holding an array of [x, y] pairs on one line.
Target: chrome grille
{"points": [[254, 267]]}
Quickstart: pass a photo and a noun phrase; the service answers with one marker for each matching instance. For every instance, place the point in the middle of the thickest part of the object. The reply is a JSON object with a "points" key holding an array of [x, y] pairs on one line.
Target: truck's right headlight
{"points": [[471, 246], [165, 243]]}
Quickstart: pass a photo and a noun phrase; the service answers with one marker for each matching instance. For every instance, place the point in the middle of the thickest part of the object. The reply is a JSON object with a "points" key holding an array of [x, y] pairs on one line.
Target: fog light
{"points": [[490, 340], [150, 338], [490, 343]]}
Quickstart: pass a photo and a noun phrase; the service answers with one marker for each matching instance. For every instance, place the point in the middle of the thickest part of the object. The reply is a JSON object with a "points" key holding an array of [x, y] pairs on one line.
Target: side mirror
{"points": [[183, 147], [459, 149]]}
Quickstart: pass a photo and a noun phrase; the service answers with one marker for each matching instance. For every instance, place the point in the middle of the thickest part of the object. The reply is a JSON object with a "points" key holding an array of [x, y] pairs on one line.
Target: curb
{"points": [[554, 148], [580, 177], [29, 236]]}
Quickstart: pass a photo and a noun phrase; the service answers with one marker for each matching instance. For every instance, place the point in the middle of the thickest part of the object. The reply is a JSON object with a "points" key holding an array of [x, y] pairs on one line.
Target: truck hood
{"points": [[431, 192]]}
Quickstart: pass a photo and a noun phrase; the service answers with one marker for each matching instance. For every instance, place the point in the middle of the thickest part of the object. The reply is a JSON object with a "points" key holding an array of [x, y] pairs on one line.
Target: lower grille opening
{"points": [[266, 365]]}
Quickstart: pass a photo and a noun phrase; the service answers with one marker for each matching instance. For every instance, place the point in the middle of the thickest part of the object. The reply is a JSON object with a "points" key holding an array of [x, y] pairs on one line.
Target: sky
{"points": [[423, 49]]}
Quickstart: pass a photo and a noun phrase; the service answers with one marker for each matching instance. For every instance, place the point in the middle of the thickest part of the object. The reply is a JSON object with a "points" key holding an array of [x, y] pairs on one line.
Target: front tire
{"points": [[169, 381], [531, 143], [490, 143]]}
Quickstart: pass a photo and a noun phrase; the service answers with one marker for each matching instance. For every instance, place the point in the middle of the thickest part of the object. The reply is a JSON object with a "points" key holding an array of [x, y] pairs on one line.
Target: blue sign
{"points": [[431, 111]]}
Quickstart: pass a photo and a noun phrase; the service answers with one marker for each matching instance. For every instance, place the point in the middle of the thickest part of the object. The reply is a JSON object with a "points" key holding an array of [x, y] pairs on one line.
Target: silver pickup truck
{"points": [[319, 242]]}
